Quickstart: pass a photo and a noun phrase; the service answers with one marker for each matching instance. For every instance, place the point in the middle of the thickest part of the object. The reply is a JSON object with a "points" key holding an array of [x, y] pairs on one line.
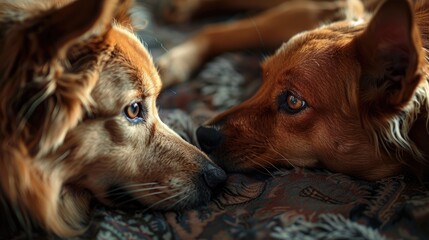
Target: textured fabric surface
{"points": [[291, 204]]}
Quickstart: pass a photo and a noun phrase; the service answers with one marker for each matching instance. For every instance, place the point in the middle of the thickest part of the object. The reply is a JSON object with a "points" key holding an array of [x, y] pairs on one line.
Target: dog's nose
{"points": [[209, 138], [213, 175]]}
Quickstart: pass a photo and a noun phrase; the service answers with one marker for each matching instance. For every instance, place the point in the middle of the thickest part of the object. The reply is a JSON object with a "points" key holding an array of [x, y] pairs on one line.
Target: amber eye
{"points": [[134, 112], [290, 103], [294, 103]]}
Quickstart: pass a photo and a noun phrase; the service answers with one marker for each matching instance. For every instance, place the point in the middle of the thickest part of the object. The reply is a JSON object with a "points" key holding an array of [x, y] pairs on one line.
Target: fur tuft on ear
{"points": [[389, 51], [132, 16], [123, 14]]}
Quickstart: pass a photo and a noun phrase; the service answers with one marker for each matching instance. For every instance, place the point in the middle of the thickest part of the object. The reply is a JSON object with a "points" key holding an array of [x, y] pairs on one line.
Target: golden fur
{"points": [[361, 81], [72, 72]]}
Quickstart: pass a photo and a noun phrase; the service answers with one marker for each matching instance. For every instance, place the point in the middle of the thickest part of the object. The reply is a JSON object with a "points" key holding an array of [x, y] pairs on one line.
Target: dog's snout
{"points": [[213, 175], [209, 138]]}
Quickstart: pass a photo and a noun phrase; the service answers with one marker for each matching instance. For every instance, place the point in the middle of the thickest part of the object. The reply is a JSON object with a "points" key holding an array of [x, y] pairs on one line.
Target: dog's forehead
{"points": [[326, 41], [128, 74], [303, 58], [138, 59], [312, 62], [317, 45]]}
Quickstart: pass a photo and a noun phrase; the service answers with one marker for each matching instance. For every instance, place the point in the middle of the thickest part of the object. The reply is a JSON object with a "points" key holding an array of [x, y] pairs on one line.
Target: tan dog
{"points": [[350, 96], [78, 118]]}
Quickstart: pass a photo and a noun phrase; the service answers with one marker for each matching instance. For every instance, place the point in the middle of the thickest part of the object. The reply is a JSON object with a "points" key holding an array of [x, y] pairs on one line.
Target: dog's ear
{"points": [[389, 53], [41, 100], [123, 15], [76, 21]]}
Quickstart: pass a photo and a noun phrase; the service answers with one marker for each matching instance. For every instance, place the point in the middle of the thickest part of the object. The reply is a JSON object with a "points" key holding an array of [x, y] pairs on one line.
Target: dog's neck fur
{"points": [[406, 137], [418, 132]]}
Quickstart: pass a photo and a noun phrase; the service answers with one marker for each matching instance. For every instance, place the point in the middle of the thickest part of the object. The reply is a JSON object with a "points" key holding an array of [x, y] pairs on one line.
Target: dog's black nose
{"points": [[209, 138], [213, 175]]}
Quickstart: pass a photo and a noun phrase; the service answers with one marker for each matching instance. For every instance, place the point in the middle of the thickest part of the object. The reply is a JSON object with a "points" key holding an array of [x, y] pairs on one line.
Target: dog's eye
{"points": [[134, 112], [294, 103], [291, 104]]}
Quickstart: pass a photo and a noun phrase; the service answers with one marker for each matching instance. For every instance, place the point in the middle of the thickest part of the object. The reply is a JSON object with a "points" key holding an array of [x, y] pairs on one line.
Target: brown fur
{"points": [[364, 80], [69, 69]]}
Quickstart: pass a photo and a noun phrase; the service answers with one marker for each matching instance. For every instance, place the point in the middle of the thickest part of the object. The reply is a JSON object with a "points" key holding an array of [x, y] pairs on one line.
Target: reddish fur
{"points": [[331, 135], [335, 68]]}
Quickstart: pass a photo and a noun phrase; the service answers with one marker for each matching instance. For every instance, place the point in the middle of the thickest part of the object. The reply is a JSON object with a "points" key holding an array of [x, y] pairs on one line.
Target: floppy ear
{"points": [[41, 100], [389, 53], [80, 19]]}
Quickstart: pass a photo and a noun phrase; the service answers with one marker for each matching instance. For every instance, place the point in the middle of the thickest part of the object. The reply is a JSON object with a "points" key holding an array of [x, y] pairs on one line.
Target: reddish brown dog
{"points": [[350, 96]]}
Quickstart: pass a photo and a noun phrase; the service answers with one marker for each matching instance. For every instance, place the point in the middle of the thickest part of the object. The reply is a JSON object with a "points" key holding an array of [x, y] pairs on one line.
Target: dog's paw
{"points": [[177, 65], [178, 11]]}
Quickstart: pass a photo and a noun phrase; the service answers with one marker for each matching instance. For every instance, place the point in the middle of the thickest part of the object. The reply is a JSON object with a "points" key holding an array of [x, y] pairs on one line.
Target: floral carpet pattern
{"points": [[291, 204]]}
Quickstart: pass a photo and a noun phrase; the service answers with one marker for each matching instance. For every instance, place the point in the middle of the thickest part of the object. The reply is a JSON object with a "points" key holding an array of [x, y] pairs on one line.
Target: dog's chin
{"points": [[117, 196], [227, 162], [192, 202], [237, 165]]}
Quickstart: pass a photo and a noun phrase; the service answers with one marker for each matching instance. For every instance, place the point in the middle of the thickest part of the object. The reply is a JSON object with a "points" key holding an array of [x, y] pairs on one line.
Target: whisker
{"points": [[283, 157], [163, 200], [140, 197], [271, 164], [146, 189], [260, 165], [183, 198], [146, 34], [261, 40], [266, 159], [129, 185], [137, 190]]}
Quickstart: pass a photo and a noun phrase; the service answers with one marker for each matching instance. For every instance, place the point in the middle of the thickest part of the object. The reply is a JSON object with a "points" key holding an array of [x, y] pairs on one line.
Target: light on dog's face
{"points": [[129, 155], [306, 112]]}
